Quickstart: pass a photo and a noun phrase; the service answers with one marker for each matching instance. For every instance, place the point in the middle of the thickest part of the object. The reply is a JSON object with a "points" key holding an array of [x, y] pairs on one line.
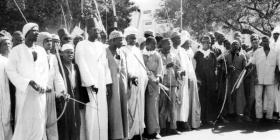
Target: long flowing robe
{"points": [[136, 94], [276, 45], [154, 64], [205, 72], [168, 107], [117, 100], [194, 109], [30, 105], [94, 70], [56, 84], [237, 100], [70, 122], [183, 110], [5, 107]]}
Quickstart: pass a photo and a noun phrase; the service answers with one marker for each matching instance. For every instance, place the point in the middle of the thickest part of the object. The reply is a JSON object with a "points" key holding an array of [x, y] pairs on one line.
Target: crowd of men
{"points": [[60, 87]]}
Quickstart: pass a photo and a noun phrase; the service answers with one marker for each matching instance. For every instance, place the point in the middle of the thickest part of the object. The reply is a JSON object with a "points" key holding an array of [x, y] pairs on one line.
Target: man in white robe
{"points": [[27, 69], [183, 108], [138, 80], [274, 43], [5, 104], [55, 86], [95, 75]]}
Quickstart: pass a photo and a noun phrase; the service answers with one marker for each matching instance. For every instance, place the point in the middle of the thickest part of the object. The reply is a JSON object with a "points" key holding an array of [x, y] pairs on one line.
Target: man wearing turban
{"points": [[27, 68], [137, 82]]}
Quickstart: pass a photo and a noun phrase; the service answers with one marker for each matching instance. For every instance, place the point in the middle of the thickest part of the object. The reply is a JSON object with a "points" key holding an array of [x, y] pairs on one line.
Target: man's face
{"points": [[66, 39], [118, 42], [255, 43], [68, 55], [32, 35], [55, 43], [176, 41], [275, 36], [235, 46], [94, 33], [6, 46], [221, 39], [47, 44], [17, 39], [166, 47], [206, 42], [151, 46], [131, 40]]}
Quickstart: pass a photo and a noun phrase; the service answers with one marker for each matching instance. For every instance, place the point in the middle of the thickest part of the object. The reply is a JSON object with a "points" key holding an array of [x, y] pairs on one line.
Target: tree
{"points": [[48, 13], [246, 16]]}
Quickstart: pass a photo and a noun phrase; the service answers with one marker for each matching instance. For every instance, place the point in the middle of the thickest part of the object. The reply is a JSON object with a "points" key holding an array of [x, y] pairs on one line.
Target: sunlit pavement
{"points": [[232, 131]]}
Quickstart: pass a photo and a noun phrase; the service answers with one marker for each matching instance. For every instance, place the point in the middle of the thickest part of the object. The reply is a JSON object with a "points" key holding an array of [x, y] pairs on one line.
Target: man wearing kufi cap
{"points": [[69, 125], [28, 70], [117, 101], [137, 82], [91, 58], [181, 56]]}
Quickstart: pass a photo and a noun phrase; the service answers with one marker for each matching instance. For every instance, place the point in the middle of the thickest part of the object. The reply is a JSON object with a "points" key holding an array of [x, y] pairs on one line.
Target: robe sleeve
{"points": [[107, 70], [86, 76], [58, 80], [20, 82]]}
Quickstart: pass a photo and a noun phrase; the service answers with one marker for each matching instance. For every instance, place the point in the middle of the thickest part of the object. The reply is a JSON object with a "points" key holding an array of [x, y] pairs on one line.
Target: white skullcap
{"points": [[115, 34], [42, 36], [55, 36], [67, 47], [130, 31], [27, 27]]}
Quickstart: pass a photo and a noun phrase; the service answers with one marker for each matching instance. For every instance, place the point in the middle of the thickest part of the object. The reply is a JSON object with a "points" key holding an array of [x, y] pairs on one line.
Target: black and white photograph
{"points": [[139, 69]]}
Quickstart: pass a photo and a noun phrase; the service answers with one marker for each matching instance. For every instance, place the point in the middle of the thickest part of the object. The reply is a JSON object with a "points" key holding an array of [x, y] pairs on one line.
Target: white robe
{"points": [[30, 105], [93, 64], [136, 94], [183, 109], [275, 45], [55, 83], [5, 104]]}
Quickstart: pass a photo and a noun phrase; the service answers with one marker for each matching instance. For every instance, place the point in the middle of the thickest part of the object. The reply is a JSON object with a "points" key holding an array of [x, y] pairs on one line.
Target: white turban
{"points": [[130, 31], [115, 34], [42, 36], [27, 27], [67, 46]]}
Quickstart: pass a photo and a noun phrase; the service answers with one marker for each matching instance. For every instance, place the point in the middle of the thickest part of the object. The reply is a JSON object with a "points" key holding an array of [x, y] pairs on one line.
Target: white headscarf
{"points": [[27, 27]]}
